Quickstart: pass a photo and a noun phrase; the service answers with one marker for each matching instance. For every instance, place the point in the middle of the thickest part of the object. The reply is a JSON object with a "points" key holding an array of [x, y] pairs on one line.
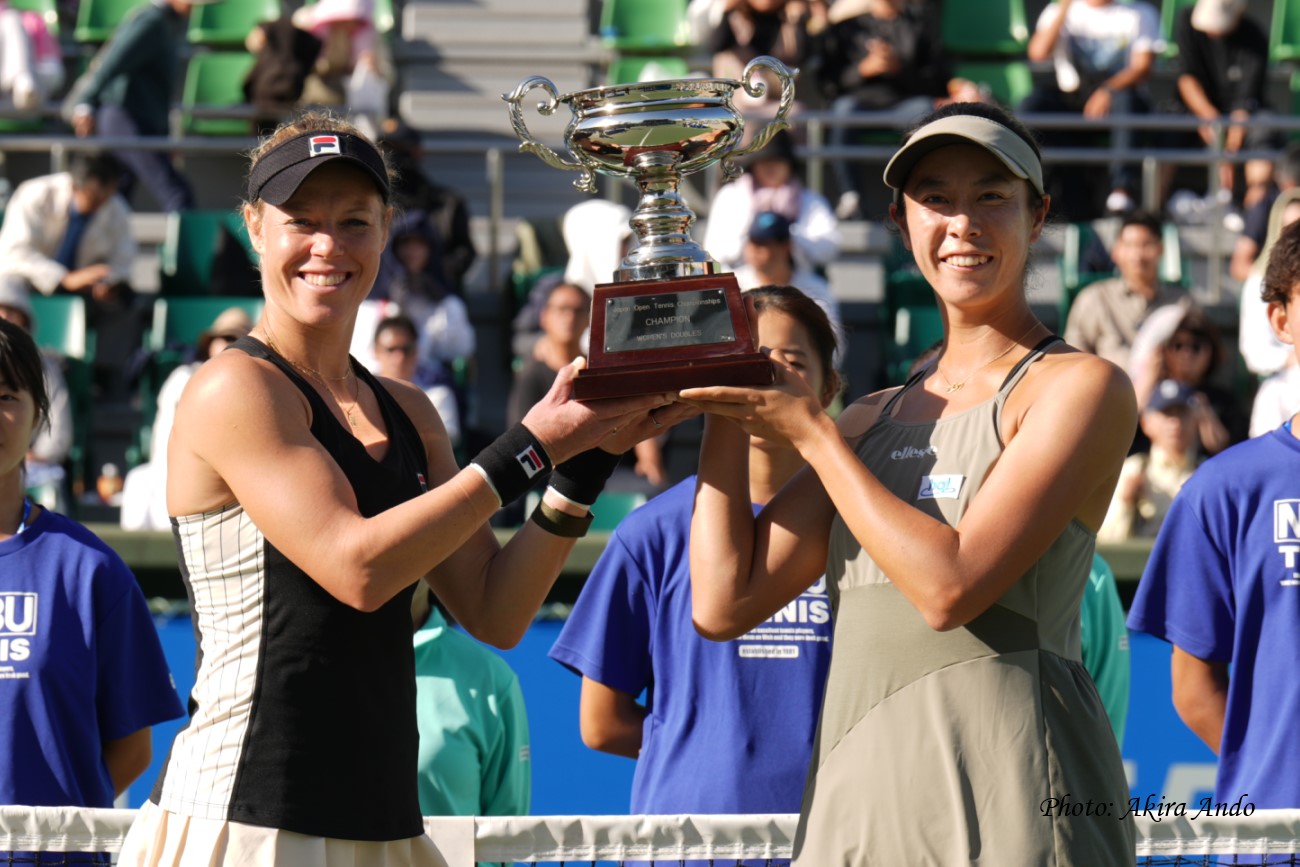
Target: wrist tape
{"points": [[513, 463], [581, 478]]}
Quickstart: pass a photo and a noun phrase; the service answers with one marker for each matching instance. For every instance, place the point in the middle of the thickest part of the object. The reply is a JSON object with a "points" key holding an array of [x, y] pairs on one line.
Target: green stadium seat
{"points": [[97, 19], [644, 25], [1169, 10], [60, 324], [916, 329], [215, 79], [189, 248], [990, 27], [229, 22], [1009, 81], [1284, 35], [626, 70]]}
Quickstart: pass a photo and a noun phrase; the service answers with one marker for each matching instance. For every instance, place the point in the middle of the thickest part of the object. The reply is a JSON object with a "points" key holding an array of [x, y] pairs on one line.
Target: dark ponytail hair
{"points": [[809, 314]]}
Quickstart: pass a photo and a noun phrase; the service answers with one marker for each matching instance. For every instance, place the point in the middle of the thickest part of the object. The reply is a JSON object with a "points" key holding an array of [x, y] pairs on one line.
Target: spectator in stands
{"points": [[771, 183], [45, 474], [71, 232], [887, 57], [1247, 251], [1222, 73], [1103, 51], [597, 235], [85, 678], [444, 208], [285, 55], [750, 28], [725, 727], [144, 490], [1151, 479], [414, 278], [31, 63], [1105, 316], [770, 261], [564, 319], [475, 758], [127, 92], [1261, 351], [1186, 347], [353, 70], [397, 357], [1220, 586]]}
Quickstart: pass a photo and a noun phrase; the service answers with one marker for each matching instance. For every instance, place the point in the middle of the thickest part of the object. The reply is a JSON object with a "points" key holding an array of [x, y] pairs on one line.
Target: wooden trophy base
{"points": [[665, 335]]}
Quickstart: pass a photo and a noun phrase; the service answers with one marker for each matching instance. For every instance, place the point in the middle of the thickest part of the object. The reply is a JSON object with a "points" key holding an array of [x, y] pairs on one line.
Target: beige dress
{"points": [[943, 748]]}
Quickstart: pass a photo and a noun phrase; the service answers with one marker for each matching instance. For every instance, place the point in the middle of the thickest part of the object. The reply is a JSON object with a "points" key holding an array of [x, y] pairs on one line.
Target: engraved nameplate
{"points": [[636, 323]]}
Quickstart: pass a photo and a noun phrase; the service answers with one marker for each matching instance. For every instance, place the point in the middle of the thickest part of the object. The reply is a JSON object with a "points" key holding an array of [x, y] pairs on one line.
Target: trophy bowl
{"points": [[654, 133]]}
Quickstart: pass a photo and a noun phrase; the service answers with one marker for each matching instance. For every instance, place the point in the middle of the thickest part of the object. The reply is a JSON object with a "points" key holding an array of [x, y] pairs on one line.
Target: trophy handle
{"points": [[756, 89], [587, 181]]}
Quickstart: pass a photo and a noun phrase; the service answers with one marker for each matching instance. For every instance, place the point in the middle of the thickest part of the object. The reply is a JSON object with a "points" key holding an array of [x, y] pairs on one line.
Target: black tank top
{"points": [[323, 739]]}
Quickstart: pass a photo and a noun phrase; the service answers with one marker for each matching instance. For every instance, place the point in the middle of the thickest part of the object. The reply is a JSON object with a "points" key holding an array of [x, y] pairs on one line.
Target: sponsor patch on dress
{"points": [[940, 487]]}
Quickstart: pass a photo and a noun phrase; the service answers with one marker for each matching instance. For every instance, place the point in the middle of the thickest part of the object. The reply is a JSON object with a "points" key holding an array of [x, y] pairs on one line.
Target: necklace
{"points": [[957, 386], [348, 412]]}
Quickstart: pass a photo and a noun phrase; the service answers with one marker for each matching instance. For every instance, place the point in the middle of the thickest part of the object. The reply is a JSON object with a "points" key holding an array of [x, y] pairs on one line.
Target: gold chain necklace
{"points": [[957, 386], [348, 412]]}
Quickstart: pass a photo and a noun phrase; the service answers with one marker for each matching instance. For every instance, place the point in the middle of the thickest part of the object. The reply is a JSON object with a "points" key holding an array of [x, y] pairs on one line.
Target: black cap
{"points": [[279, 172], [769, 227]]}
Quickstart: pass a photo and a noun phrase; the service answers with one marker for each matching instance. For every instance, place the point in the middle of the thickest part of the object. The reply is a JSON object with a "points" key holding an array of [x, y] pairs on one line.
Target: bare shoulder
{"points": [[859, 416], [234, 385], [1076, 385]]}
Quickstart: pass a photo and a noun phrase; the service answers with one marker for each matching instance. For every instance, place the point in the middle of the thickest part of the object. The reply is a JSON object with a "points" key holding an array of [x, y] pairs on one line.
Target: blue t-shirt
{"points": [[730, 725], [80, 664], [1223, 584]]}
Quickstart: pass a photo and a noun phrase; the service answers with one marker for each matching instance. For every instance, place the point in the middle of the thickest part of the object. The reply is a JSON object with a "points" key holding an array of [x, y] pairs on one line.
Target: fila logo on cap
{"points": [[530, 461], [321, 145]]}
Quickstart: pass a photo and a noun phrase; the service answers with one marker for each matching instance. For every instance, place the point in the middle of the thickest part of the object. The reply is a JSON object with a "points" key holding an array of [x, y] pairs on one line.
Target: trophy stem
{"points": [[662, 224]]}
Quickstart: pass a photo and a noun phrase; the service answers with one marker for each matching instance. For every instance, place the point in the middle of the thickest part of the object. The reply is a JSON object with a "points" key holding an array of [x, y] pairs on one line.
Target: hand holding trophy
{"points": [[671, 321]]}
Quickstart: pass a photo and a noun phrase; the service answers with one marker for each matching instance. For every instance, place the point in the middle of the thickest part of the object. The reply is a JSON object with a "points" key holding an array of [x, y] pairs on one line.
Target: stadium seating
{"points": [[992, 27], [97, 19], [60, 324], [916, 328], [625, 70], [1169, 10], [215, 79], [1284, 35], [48, 9], [189, 248], [229, 22], [1008, 80], [644, 25]]}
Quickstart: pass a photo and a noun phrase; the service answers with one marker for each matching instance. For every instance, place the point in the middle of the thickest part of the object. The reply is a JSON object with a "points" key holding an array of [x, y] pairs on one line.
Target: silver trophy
{"points": [[669, 320], [655, 133]]}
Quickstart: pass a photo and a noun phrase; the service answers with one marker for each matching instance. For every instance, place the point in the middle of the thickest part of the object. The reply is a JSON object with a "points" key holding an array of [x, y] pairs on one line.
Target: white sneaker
{"points": [[1119, 202]]}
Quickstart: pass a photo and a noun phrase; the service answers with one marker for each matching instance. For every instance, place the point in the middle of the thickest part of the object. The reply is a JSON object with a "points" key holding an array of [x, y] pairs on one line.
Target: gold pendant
{"points": [[352, 420], [956, 386]]}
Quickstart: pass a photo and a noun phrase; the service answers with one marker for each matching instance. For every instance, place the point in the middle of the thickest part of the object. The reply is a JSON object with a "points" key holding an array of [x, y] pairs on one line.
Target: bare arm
{"points": [[127, 758], [610, 720], [240, 423], [1200, 696], [1061, 464], [1043, 42]]}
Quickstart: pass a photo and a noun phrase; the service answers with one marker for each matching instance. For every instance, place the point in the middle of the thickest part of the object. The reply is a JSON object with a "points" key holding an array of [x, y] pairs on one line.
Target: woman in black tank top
{"points": [[308, 497], [955, 521]]}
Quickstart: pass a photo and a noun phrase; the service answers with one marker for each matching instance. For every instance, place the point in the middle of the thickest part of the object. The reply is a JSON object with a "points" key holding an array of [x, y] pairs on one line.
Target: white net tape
{"points": [[1268, 837]]}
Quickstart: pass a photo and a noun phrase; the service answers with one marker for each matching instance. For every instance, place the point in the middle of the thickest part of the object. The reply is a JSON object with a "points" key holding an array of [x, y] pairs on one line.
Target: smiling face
{"points": [[320, 249], [969, 222]]}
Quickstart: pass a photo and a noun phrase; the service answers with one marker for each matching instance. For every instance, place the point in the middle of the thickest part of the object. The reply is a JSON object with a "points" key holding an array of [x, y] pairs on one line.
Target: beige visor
{"points": [[997, 139]]}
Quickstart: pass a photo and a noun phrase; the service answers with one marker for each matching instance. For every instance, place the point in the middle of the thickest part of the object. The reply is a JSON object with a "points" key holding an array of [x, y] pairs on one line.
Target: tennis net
{"points": [[1268, 838]]}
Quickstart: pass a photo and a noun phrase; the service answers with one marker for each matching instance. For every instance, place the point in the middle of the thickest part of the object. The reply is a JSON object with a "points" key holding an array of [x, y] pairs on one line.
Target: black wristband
{"points": [[513, 463], [559, 523], [582, 477]]}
